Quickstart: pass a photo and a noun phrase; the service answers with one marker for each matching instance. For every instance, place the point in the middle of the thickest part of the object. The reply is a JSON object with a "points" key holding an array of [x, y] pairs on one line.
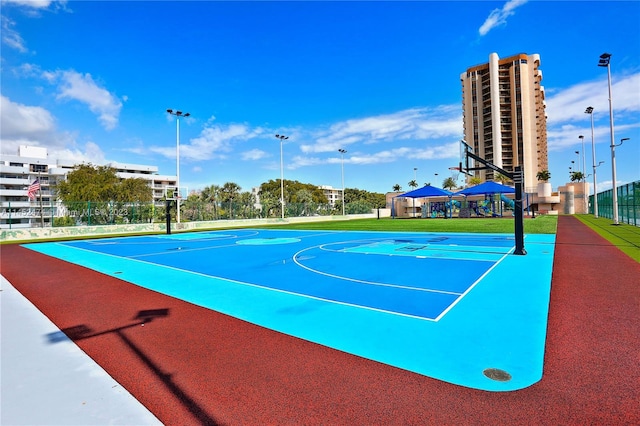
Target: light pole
{"points": [[589, 111], [342, 152], [415, 176], [595, 195], [584, 166], [282, 138], [613, 174], [178, 114], [605, 61], [584, 177]]}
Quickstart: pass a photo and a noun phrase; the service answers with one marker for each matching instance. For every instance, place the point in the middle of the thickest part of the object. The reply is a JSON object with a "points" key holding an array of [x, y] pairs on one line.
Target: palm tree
{"points": [[397, 188], [413, 184], [475, 181], [577, 176], [543, 175], [211, 194], [499, 177], [229, 192], [450, 184]]}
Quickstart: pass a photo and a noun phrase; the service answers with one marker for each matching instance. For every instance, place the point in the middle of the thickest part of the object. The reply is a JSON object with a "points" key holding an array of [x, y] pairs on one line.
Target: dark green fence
{"points": [[112, 213], [628, 203]]}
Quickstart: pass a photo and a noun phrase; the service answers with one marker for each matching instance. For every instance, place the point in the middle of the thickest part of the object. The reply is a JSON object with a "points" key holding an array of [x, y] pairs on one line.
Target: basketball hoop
{"points": [[455, 173]]}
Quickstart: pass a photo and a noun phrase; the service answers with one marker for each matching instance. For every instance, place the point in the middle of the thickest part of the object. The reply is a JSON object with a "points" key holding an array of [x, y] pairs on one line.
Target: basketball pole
{"points": [[168, 216], [518, 179]]}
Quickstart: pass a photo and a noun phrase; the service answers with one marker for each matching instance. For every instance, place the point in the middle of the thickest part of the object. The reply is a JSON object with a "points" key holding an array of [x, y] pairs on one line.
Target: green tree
{"points": [[499, 177], [543, 175], [450, 184], [228, 193], [397, 188], [134, 189], [210, 196], [577, 176], [413, 184], [473, 181], [373, 199], [98, 196], [89, 183]]}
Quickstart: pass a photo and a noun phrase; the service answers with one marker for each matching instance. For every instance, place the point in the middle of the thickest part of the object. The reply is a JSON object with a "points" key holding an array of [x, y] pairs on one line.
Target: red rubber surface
{"points": [[196, 366]]}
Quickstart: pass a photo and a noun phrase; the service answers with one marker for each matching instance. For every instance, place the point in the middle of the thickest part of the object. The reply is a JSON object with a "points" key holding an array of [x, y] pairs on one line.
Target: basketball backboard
{"points": [[173, 193], [467, 163]]}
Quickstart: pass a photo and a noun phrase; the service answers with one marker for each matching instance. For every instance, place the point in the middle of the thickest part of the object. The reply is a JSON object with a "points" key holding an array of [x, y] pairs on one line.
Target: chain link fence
{"points": [[93, 213]]}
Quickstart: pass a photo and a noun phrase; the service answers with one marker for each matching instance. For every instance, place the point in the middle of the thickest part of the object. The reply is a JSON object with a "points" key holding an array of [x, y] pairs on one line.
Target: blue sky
{"points": [[92, 80]]}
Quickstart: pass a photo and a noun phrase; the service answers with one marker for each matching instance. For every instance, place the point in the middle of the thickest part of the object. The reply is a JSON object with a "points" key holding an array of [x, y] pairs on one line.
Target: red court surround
{"points": [[196, 366]]}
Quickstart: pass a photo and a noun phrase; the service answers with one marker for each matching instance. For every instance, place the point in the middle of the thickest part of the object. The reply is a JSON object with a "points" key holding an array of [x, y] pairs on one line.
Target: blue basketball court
{"points": [[454, 307]]}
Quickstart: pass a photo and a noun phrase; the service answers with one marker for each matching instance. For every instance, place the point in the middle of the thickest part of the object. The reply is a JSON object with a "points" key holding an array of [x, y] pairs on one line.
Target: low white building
{"points": [[333, 195], [17, 172]]}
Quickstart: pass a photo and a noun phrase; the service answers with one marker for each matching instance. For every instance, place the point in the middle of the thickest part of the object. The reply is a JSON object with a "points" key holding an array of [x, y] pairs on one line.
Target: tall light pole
{"points": [[584, 167], [282, 138], [584, 178], [415, 177], [613, 168], [605, 61], [589, 111], [178, 114], [342, 152]]}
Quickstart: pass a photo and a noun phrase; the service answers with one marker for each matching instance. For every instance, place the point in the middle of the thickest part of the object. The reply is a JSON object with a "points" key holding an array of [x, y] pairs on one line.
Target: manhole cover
{"points": [[497, 374]]}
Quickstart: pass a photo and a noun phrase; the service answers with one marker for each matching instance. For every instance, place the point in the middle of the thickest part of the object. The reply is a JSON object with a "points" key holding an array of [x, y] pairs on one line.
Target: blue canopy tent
{"points": [[489, 188], [424, 192]]}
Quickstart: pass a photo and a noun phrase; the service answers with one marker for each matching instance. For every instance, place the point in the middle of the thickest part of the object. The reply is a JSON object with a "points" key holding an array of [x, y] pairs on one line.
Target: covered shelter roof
{"points": [[426, 191], [487, 188]]}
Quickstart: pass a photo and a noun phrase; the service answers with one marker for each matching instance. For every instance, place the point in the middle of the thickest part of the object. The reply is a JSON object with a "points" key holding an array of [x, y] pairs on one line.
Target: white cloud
{"points": [[254, 154], [414, 123], [215, 141], [23, 124], [91, 154], [36, 4], [567, 118], [82, 88], [439, 152], [570, 104], [11, 37], [499, 17]]}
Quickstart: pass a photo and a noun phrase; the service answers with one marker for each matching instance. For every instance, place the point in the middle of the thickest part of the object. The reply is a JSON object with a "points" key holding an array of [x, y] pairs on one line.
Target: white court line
{"points": [[243, 283], [182, 250], [455, 302], [339, 277]]}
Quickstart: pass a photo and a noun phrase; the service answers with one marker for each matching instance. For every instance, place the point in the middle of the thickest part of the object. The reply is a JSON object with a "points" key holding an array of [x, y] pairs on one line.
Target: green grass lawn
{"points": [[539, 225], [625, 237]]}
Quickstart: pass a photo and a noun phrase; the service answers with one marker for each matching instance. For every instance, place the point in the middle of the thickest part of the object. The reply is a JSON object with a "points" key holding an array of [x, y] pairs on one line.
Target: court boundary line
{"points": [[236, 282], [472, 286], [296, 255]]}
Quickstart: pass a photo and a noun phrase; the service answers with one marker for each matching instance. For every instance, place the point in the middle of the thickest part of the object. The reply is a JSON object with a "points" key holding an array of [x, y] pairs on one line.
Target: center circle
{"points": [[267, 241]]}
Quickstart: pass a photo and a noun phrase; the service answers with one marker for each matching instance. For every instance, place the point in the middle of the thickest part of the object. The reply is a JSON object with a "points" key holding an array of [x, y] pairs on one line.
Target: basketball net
{"points": [[455, 173]]}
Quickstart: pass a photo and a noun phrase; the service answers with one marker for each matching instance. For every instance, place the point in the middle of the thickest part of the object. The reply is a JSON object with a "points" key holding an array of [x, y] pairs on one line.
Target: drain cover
{"points": [[497, 374]]}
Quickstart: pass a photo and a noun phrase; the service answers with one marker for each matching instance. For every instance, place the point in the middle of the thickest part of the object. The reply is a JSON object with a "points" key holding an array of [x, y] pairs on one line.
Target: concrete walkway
{"points": [[45, 379]]}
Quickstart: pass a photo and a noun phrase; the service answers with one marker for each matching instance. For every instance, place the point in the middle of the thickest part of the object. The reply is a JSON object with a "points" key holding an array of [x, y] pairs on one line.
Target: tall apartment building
{"points": [[17, 172], [504, 115]]}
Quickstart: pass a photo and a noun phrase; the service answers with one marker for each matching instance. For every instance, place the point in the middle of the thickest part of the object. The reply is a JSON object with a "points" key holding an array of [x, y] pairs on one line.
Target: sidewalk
{"points": [[45, 379]]}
